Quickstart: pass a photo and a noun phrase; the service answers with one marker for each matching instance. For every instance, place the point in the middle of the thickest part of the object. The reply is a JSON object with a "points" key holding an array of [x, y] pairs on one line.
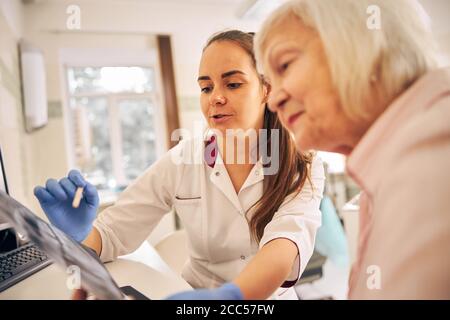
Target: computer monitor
{"points": [[8, 237], [3, 182]]}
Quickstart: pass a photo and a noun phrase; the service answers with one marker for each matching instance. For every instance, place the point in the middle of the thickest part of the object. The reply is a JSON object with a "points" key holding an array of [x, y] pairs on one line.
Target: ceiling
{"points": [[437, 9]]}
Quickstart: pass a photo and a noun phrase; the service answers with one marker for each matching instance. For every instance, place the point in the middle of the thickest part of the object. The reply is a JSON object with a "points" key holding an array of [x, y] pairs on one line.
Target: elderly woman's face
{"points": [[303, 95]]}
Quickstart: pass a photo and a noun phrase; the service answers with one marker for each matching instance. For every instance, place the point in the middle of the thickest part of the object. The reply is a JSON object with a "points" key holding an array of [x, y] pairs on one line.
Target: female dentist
{"points": [[251, 225]]}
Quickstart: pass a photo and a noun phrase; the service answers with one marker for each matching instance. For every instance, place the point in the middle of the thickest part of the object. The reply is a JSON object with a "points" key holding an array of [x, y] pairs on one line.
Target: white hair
{"points": [[393, 56]]}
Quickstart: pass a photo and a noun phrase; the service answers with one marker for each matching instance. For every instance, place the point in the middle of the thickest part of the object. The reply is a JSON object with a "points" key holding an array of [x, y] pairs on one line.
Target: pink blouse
{"points": [[402, 165]]}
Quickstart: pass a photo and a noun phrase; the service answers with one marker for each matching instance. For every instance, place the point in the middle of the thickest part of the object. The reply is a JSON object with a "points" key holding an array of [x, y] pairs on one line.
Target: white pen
{"points": [[77, 197]]}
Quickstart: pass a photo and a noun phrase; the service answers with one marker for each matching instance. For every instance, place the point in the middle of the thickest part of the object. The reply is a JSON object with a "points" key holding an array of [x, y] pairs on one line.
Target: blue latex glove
{"points": [[330, 239], [56, 201], [228, 291]]}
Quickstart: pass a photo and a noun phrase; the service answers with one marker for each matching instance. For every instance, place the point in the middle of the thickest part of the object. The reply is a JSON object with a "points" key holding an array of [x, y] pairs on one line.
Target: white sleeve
{"points": [[125, 225], [298, 219]]}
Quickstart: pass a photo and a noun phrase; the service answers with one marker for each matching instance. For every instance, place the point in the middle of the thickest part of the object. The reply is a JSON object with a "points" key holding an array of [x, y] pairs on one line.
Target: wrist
{"points": [[231, 291], [82, 235]]}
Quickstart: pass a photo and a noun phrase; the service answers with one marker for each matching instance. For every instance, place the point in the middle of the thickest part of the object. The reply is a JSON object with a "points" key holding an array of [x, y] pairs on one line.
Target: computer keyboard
{"points": [[21, 263]]}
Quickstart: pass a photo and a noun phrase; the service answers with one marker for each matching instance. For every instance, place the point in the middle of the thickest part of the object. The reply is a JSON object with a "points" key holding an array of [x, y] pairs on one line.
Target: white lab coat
{"points": [[212, 214]]}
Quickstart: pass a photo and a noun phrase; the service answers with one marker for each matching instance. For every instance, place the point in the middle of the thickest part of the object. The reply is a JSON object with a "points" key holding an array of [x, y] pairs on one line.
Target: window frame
{"points": [[114, 127]]}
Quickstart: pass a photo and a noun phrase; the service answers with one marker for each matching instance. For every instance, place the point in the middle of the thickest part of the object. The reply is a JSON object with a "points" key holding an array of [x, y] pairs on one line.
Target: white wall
{"points": [[12, 11], [189, 23], [438, 10], [13, 139]]}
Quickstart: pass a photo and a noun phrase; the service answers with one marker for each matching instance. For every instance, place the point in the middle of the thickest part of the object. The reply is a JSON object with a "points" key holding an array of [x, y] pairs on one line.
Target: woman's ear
{"points": [[266, 91]]}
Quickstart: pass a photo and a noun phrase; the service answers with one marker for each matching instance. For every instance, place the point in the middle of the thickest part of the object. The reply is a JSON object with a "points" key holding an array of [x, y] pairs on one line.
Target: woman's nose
{"points": [[218, 99], [277, 99]]}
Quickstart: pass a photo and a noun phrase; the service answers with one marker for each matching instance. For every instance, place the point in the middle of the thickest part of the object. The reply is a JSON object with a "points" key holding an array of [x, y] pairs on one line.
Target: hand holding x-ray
{"points": [[63, 250]]}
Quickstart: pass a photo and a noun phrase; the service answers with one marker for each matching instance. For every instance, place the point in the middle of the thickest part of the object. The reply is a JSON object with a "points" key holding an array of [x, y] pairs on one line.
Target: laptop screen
{"points": [[3, 183], [3, 187], [8, 239]]}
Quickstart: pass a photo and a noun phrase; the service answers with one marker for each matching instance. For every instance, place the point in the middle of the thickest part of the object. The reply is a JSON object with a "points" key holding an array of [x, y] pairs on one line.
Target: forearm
{"points": [[267, 270], [94, 241]]}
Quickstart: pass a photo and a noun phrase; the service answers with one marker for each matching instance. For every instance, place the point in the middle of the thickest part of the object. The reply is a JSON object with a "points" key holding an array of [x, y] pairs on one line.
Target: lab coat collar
{"points": [[255, 176], [219, 175], [220, 178], [211, 151]]}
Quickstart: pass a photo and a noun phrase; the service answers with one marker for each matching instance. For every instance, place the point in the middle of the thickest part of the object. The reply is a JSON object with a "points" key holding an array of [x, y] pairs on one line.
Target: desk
{"points": [[143, 269]]}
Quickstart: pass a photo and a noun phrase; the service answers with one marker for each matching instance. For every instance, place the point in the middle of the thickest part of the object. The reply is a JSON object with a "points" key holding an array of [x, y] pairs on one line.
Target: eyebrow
{"points": [[275, 51], [286, 48], [224, 75]]}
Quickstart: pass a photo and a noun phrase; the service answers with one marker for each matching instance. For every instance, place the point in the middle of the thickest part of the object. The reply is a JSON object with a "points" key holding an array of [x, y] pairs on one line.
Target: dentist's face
{"points": [[302, 92], [232, 96]]}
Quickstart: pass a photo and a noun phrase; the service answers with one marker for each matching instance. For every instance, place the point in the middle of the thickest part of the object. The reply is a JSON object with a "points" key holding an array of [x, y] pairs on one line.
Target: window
{"points": [[112, 115]]}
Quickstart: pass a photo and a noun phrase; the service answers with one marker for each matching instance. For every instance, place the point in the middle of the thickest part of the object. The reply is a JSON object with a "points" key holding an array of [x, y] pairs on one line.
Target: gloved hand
{"points": [[228, 291], [56, 201]]}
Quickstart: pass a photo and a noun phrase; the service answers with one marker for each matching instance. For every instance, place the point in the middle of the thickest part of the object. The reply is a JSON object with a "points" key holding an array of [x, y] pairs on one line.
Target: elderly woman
{"points": [[375, 95]]}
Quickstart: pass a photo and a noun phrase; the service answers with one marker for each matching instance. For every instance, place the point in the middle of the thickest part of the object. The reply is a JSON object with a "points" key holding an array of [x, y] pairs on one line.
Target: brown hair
{"points": [[294, 166]]}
